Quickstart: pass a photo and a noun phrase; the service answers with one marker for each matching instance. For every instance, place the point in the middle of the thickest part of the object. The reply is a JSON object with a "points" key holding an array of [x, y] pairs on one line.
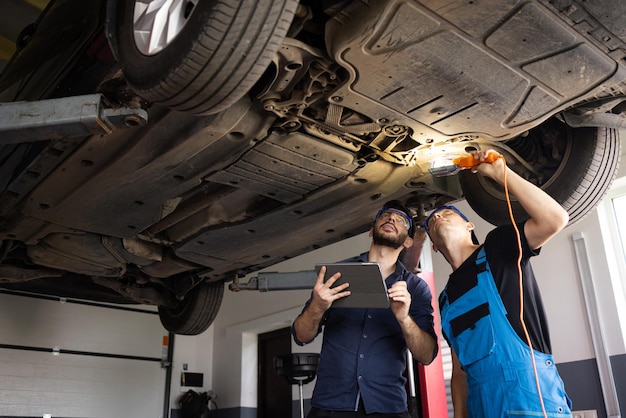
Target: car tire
{"points": [[223, 47], [578, 181], [196, 312]]}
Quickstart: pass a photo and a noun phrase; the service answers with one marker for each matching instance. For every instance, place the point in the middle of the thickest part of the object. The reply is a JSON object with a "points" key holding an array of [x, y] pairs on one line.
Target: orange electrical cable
{"points": [[521, 290]]}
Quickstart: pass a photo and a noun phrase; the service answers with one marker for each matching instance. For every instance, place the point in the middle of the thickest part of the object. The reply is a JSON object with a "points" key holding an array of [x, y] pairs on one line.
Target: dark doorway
{"points": [[274, 392]]}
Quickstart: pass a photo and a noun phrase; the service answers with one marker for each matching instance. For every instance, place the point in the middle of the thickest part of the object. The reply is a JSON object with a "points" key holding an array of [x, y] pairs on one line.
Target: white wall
{"points": [[197, 353]]}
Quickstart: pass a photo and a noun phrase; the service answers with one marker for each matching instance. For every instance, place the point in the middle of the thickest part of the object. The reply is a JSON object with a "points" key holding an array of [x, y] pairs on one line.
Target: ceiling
{"points": [[16, 14]]}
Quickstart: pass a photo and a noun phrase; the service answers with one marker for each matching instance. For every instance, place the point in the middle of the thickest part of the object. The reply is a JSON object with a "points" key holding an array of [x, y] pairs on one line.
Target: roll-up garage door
{"points": [[70, 358]]}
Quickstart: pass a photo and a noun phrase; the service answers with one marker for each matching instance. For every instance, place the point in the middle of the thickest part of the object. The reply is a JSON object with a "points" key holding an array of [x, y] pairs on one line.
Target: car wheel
{"points": [[196, 56], [574, 166], [196, 312]]}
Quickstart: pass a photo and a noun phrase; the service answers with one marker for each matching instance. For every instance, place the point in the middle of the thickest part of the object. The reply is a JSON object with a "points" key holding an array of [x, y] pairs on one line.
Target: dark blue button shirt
{"points": [[363, 352]]}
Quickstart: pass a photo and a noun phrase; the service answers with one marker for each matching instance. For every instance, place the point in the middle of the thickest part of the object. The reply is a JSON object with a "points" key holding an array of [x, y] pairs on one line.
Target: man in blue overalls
{"points": [[493, 371]]}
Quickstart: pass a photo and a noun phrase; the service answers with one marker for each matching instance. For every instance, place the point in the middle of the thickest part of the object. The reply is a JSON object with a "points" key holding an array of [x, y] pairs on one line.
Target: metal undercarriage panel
{"points": [[473, 68]]}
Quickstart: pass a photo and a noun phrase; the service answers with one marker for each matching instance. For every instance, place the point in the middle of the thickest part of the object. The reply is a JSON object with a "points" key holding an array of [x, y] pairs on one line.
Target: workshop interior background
{"points": [[67, 359]]}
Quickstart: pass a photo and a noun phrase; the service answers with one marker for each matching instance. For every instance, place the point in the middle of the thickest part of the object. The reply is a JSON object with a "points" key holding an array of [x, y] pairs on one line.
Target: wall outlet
{"points": [[585, 414]]}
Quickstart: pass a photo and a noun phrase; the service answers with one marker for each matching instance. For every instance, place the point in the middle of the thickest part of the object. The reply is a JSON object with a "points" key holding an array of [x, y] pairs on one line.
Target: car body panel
{"points": [[470, 70]]}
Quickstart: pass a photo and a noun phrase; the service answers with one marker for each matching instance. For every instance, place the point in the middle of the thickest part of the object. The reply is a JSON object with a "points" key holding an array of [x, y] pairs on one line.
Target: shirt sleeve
{"points": [[504, 240], [421, 307]]}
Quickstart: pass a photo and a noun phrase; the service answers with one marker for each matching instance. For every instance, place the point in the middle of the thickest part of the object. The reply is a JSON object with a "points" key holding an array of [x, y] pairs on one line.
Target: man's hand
{"points": [[324, 294], [400, 300], [421, 344], [547, 217], [307, 324], [494, 170]]}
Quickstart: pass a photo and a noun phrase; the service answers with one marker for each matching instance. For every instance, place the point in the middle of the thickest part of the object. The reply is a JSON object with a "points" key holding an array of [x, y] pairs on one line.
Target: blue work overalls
{"points": [[500, 377]]}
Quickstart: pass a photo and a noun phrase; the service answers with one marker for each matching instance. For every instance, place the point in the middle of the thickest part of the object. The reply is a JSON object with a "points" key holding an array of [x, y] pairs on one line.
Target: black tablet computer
{"points": [[367, 285]]}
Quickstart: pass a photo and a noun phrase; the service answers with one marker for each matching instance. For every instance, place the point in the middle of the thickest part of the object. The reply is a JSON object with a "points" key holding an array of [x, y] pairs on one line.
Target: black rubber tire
{"points": [[583, 176], [196, 312], [223, 49]]}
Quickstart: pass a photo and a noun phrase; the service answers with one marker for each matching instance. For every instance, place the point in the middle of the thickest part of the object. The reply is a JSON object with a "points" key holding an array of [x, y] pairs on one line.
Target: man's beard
{"points": [[385, 240]]}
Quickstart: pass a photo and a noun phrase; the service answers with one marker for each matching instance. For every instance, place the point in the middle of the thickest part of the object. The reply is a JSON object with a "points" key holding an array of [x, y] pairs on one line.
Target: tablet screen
{"points": [[367, 285]]}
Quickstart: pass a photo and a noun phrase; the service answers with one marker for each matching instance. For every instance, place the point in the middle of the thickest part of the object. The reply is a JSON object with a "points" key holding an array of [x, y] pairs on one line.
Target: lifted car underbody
{"points": [[182, 191]]}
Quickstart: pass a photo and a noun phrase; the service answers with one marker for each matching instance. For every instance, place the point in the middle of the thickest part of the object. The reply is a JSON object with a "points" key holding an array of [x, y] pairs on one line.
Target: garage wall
{"points": [[192, 354], [108, 362]]}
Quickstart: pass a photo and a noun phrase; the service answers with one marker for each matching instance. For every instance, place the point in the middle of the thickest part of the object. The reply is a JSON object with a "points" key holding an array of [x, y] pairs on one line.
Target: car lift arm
{"points": [[267, 281], [64, 118]]}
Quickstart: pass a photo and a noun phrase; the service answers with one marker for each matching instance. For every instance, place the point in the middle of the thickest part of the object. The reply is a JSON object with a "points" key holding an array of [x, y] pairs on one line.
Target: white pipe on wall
{"points": [[597, 336]]}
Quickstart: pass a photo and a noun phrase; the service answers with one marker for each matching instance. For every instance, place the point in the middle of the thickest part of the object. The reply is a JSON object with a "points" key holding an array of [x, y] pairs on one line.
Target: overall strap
{"points": [[486, 278], [481, 259]]}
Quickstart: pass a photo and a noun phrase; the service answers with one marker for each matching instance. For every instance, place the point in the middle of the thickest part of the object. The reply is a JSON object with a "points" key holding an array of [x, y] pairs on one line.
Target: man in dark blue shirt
{"points": [[363, 353]]}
